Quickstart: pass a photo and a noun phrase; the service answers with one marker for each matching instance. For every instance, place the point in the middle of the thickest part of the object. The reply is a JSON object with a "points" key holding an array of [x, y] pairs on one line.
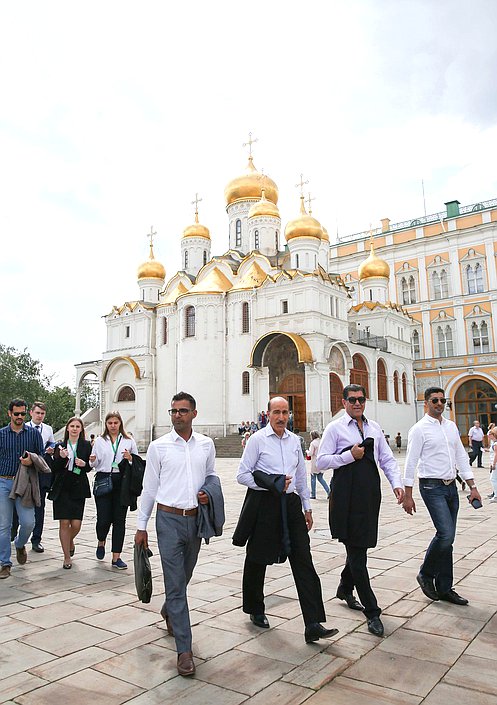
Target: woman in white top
{"points": [[109, 449], [315, 474]]}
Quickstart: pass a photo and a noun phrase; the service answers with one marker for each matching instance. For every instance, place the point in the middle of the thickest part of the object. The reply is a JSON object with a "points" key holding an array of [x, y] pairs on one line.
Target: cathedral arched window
{"points": [[404, 388], [126, 393], [256, 239], [245, 317], [164, 331], [474, 279], [190, 321], [408, 288], [437, 292], [444, 284], [445, 341], [396, 386], [297, 261], [359, 373], [479, 335], [238, 233], [186, 259], [245, 382], [381, 372], [205, 257], [416, 346]]}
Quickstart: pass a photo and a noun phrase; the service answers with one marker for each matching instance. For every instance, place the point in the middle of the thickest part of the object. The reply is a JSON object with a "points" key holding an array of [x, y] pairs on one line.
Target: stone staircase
{"points": [[231, 446]]}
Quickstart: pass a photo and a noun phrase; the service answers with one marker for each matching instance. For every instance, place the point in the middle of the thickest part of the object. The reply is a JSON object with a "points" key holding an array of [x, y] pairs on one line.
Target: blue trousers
{"points": [[26, 521], [442, 502], [319, 477]]}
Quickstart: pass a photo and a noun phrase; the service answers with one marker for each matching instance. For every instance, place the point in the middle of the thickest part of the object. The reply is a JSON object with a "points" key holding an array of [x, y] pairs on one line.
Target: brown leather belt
{"points": [[7, 477], [175, 510]]}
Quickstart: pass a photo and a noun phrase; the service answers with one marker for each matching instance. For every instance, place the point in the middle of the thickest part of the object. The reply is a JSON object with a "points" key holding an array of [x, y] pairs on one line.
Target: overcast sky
{"points": [[114, 114]]}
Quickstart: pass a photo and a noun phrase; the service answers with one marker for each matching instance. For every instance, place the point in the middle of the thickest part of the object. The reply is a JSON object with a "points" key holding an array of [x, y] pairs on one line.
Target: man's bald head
{"points": [[277, 411]]}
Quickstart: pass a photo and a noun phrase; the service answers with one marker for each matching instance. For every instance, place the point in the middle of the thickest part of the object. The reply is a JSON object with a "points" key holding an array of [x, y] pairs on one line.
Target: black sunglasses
{"points": [[437, 400], [353, 400], [18, 413]]}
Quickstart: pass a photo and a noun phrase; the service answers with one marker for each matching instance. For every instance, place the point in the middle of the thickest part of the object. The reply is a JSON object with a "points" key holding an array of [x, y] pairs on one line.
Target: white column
{"points": [[423, 284], [455, 274], [427, 343], [491, 270], [460, 337], [493, 308]]}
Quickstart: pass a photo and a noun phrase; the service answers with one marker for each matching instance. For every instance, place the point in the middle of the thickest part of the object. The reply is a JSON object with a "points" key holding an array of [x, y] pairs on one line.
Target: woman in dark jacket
{"points": [[71, 464]]}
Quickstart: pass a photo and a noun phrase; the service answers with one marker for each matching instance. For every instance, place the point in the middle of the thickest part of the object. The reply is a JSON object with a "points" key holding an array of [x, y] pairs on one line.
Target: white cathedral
{"points": [[266, 318]]}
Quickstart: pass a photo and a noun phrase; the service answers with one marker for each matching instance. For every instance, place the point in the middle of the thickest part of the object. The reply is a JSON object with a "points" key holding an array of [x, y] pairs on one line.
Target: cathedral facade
{"points": [[273, 315]]}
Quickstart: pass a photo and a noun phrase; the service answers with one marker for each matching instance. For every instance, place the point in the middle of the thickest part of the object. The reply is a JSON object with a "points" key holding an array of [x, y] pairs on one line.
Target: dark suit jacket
{"points": [[69, 483]]}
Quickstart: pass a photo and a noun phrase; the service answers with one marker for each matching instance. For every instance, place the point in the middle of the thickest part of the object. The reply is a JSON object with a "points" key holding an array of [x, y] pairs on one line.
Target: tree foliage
{"points": [[22, 377]]}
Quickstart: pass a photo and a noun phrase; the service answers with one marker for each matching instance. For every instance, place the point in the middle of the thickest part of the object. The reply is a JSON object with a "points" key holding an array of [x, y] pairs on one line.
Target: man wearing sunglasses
{"points": [[435, 450], [354, 447], [177, 466], [15, 440]]}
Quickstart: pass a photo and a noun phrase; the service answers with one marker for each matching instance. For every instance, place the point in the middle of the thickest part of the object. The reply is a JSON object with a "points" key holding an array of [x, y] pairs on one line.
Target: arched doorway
{"points": [[475, 399], [285, 355], [336, 393], [359, 372]]}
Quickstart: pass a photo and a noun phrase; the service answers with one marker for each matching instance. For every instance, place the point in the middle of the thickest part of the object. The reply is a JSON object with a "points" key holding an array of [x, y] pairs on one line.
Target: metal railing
{"points": [[370, 341]]}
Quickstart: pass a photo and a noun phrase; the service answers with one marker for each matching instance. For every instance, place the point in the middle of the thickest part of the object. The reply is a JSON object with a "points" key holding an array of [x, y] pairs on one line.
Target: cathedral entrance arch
{"points": [[285, 355], [475, 399], [336, 393]]}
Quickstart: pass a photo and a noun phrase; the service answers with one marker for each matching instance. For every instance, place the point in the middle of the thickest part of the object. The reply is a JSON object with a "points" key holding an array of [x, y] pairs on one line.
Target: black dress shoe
{"points": [[259, 620], [316, 631], [37, 548], [349, 598], [453, 597], [375, 626], [426, 585]]}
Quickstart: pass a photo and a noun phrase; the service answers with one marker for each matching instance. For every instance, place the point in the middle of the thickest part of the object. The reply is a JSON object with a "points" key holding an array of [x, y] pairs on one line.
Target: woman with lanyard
{"points": [[109, 449], [70, 488]]}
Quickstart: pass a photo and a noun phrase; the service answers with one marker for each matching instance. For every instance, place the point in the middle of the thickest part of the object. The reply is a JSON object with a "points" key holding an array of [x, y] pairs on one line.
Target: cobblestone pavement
{"points": [[80, 636]]}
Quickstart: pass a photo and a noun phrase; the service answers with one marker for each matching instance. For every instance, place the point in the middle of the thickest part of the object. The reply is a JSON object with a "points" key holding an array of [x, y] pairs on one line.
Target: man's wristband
{"points": [[308, 511], [472, 487]]}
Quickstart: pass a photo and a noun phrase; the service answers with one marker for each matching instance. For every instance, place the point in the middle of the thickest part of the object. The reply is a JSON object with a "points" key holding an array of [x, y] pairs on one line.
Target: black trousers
{"points": [[355, 574], [306, 579], [476, 453], [110, 512]]}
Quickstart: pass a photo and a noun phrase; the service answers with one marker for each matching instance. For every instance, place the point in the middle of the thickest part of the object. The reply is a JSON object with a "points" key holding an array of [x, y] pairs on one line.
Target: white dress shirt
{"points": [[343, 433], [45, 430], [476, 433], [435, 450], [104, 451], [175, 471], [266, 451]]}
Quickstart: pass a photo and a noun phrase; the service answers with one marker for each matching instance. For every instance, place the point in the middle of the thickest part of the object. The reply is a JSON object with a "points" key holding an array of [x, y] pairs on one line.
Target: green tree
{"points": [[60, 403], [21, 377]]}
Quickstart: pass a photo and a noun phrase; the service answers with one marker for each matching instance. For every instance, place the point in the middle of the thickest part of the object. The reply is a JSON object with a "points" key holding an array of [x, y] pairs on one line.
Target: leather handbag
{"points": [[143, 573], [102, 485]]}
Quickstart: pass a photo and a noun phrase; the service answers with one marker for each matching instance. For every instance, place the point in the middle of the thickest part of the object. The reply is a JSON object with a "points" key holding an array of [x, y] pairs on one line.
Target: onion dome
{"points": [[264, 207], [196, 230], [325, 235], [303, 226], [249, 186], [152, 269], [373, 266]]}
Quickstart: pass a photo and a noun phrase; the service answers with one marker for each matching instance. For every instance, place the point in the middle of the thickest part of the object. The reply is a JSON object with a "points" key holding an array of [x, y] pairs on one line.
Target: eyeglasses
{"points": [[179, 412], [18, 413], [354, 400], [438, 400]]}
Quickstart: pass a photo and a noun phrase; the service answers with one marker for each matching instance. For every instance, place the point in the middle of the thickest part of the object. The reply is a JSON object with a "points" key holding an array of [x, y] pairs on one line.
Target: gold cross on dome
{"points": [[196, 202], [151, 235], [249, 144], [301, 185], [309, 200]]}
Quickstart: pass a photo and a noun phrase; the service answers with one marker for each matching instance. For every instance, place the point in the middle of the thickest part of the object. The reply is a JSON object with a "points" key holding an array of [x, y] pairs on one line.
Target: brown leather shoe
{"points": [[21, 555], [186, 667], [165, 616], [5, 572]]}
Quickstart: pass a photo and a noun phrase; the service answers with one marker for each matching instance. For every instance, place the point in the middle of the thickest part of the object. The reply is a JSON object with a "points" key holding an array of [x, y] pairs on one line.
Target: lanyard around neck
{"points": [[74, 449]]}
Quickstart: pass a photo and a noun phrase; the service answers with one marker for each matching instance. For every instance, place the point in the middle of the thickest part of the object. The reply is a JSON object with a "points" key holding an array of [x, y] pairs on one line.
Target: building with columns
{"points": [[272, 315]]}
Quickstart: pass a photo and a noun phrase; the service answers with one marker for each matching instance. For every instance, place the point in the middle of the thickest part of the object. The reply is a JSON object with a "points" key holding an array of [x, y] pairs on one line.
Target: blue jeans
{"points": [[26, 521], [319, 477], [442, 502]]}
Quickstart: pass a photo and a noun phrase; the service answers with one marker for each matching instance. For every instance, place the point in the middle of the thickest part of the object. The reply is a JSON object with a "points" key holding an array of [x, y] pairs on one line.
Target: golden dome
{"points": [[303, 226], [325, 235], [196, 230], [264, 207], [373, 266], [249, 185], [152, 269]]}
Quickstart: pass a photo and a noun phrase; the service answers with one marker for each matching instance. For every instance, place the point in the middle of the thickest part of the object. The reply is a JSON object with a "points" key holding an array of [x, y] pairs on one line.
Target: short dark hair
{"points": [[433, 390], [353, 388], [184, 396], [38, 404], [17, 402]]}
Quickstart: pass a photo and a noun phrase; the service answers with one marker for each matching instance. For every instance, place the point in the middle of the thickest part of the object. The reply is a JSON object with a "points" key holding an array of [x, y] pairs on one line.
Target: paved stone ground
{"points": [[80, 636]]}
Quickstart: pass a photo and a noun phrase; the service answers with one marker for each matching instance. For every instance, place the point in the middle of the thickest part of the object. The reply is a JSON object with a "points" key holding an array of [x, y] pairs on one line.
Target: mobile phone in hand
{"points": [[475, 503]]}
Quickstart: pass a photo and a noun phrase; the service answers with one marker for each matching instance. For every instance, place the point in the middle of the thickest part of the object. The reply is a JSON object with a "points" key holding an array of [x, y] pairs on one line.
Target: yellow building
{"points": [[443, 273]]}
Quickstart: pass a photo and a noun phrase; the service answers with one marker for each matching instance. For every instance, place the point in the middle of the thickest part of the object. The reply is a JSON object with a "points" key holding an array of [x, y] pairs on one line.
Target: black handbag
{"points": [[102, 485], [143, 573]]}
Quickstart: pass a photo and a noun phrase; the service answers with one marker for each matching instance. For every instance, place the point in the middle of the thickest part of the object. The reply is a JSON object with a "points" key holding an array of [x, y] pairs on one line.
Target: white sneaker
{"points": [[493, 501]]}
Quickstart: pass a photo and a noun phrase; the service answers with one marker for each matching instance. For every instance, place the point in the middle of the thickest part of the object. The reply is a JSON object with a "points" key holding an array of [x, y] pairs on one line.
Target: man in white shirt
{"points": [[272, 523], [177, 465], [38, 412], [435, 450], [475, 436]]}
